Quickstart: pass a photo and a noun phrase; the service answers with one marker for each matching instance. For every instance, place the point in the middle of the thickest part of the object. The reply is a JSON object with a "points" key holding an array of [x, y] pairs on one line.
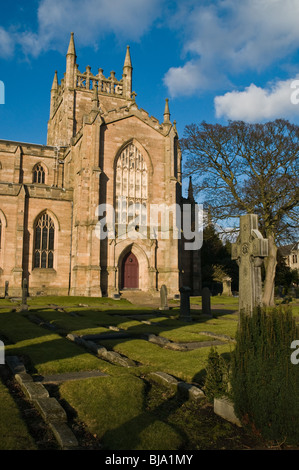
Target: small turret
{"points": [[166, 112]]}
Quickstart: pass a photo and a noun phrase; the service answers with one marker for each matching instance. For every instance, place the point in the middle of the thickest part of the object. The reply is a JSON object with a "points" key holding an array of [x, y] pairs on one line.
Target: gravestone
{"points": [[24, 305], [163, 298], [185, 313], [206, 301], [227, 286], [249, 251], [6, 289]]}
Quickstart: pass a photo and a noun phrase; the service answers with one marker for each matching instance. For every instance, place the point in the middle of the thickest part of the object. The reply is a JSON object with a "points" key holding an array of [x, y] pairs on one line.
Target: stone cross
{"points": [[249, 251], [163, 298], [185, 313]]}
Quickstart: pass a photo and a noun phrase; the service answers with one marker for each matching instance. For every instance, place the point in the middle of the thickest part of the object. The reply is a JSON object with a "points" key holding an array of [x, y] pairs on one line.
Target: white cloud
{"points": [[258, 104], [89, 19], [227, 37], [7, 43]]}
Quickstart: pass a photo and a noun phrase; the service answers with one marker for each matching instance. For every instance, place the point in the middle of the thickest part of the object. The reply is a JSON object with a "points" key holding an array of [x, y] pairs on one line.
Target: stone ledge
{"points": [[50, 410], [190, 391], [15, 365], [48, 407], [34, 390], [23, 377], [103, 353], [64, 436], [164, 379], [225, 408]]}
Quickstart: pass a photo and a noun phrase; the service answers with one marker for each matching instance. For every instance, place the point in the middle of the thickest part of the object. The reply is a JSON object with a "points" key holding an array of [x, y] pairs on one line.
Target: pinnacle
{"points": [[166, 112], [128, 62], [71, 49], [55, 82]]}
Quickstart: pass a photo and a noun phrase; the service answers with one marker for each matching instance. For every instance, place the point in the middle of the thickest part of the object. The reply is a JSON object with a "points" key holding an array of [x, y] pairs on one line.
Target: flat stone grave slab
{"points": [[64, 435], [50, 409], [59, 378], [34, 390]]}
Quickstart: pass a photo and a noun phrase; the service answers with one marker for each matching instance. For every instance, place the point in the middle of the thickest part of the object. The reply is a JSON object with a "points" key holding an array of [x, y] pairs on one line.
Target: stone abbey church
{"points": [[100, 148]]}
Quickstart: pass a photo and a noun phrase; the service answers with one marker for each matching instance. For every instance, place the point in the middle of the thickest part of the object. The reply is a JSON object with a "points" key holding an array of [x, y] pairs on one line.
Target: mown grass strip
{"points": [[14, 436]]}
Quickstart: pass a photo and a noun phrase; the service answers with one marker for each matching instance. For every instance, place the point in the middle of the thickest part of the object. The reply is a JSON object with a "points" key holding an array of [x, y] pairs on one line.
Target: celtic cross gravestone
{"points": [[249, 251]]}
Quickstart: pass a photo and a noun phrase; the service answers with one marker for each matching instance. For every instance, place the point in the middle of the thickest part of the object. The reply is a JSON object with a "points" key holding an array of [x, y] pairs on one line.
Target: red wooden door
{"points": [[130, 272]]}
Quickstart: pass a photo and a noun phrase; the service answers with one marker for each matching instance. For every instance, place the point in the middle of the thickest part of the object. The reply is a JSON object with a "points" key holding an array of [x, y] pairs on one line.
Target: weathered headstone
{"points": [[249, 251], [163, 298], [6, 289], [206, 301], [227, 286], [24, 305], [185, 313]]}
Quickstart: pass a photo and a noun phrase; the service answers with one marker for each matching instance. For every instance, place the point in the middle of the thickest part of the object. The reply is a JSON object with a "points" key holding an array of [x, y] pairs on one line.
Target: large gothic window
{"points": [[44, 242], [131, 189], [39, 174]]}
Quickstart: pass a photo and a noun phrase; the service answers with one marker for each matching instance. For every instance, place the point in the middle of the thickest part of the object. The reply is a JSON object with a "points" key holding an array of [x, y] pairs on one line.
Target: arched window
{"points": [[131, 186], [44, 233], [39, 174]]}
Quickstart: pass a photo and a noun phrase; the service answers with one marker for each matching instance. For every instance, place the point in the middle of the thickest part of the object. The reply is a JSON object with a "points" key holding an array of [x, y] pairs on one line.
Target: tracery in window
{"points": [[44, 242], [39, 175], [131, 187]]}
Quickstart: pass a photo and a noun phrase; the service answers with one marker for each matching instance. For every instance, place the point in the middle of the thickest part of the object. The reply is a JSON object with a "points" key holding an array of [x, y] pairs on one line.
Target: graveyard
{"points": [[105, 374]]}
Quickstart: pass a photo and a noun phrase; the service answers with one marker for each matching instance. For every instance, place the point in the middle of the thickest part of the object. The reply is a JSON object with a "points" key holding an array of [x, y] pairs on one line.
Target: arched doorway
{"points": [[130, 272]]}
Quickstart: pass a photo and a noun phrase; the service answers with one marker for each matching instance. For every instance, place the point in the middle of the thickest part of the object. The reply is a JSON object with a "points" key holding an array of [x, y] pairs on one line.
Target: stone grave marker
{"points": [[6, 289], [227, 286], [24, 305], [249, 251], [163, 298], [206, 301], [185, 313]]}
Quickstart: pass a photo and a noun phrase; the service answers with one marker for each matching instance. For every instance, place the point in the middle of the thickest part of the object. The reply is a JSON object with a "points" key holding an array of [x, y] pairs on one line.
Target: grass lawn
{"points": [[13, 431], [124, 410]]}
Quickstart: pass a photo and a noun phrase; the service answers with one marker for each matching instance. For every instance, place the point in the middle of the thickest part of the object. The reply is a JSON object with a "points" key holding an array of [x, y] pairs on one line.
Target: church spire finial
{"points": [[71, 50], [55, 82], [128, 62], [127, 75], [166, 112]]}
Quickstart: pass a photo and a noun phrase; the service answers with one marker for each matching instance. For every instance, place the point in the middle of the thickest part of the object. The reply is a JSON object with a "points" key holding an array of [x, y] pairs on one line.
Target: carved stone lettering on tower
{"points": [[249, 251]]}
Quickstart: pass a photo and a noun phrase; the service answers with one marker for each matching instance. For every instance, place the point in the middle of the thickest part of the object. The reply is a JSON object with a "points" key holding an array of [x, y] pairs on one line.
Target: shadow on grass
{"points": [[48, 351]]}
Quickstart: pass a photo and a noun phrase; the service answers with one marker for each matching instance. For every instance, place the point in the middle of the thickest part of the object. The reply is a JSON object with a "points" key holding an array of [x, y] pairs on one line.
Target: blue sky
{"points": [[214, 60]]}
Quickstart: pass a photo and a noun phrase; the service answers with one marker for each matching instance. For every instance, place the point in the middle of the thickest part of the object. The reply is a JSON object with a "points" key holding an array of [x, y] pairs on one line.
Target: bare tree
{"points": [[248, 168]]}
